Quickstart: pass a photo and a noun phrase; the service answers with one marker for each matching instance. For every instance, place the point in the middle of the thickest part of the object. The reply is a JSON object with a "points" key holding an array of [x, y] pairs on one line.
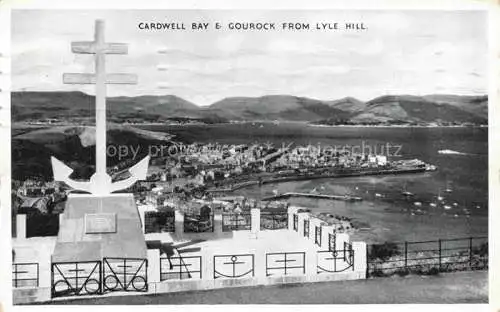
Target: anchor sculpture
{"points": [[100, 183]]}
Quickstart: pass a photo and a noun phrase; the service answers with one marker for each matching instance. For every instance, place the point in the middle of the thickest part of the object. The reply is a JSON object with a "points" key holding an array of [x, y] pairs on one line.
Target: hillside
{"points": [[75, 146], [415, 109], [78, 107], [477, 105], [277, 107], [348, 104]]}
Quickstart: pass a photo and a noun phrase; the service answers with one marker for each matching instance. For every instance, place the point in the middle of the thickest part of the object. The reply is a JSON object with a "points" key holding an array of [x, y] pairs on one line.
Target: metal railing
{"points": [[347, 247], [25, 275], [76, 278], [125, 274], [428, 257], [306, 228], [159, 221], [317, 235], [284, 263], [334, 261], [236, 221], [273, 220], [332, 242], [179, 268], [198, 224], [234, 266]]}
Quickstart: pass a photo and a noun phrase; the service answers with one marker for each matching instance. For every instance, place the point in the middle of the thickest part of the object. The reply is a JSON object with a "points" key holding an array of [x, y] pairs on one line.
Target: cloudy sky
{"points": [[401, 52]]}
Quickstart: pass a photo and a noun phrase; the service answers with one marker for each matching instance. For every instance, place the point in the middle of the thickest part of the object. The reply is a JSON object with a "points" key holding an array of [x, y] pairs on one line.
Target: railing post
{"points": [[359, 258], [285, 263], [254, 222], [179, 223], [406, 254], [367, 262], [153, 271], [21, 226], [439, 245], [304, 263], [15, 274], [61, 218], [335, 261]]}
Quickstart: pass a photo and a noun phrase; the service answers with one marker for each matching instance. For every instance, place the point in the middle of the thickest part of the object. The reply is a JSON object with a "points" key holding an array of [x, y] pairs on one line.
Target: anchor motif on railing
{"points": [[100, 183]]}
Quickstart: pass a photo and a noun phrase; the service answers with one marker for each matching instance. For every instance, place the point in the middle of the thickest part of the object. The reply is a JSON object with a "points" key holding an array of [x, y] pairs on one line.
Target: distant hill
{"points": [[393, 109], [277, 107], [416, 109], [348, 104], [77, 105], [477, 105]]}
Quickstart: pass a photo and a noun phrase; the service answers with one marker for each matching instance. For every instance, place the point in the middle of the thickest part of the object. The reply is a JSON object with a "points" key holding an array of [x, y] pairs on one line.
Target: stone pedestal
{"points": [[360, 258], [21, 226], [255, 221], [94, 227], [154, 266]]}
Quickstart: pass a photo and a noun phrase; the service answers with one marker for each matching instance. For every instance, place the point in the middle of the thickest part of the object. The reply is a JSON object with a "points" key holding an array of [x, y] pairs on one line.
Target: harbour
{"points": [[310, 195]]}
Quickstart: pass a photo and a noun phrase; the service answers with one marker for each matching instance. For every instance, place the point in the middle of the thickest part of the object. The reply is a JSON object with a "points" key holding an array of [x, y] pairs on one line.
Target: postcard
{"points": [[230, 156]]}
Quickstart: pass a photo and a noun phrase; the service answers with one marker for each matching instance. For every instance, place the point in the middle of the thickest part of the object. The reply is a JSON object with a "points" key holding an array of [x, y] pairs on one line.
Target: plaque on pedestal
{"points": [[96, 227]]}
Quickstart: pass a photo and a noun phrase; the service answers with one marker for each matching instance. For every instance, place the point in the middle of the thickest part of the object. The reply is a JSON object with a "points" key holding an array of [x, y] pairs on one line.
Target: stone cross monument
{"points": [[100, 182], [99, 224]]}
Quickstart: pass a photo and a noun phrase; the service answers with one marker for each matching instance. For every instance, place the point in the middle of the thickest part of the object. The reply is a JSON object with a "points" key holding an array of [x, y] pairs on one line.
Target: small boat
{"points": [[418, 204], [378, 195], [439, 197], [447, 207], [455, 215], [405, 192], [455, 204], [430, 168], [450, 152], [478, 207], [433, 204], [449, 188]]}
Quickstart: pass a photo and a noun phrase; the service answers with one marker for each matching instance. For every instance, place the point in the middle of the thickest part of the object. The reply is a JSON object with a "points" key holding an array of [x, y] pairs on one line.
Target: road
{"points": [[460, 287]]}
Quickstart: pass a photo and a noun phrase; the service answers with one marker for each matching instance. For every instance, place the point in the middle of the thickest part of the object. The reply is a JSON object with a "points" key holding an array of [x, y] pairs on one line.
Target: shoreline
{"points": [[308, 124], [272, 180]]}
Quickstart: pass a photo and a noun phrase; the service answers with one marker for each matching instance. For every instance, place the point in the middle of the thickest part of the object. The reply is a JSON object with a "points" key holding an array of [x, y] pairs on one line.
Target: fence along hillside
{"points": [[427, 257]]}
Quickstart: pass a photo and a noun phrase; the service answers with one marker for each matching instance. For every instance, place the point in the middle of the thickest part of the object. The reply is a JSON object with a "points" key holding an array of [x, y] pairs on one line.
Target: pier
{"points": [[311, 195], [310, 176]]}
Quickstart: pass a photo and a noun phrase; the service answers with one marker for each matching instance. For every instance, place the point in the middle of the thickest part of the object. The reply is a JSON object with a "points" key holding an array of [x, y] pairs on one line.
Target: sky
{"points": [[400, 52]]}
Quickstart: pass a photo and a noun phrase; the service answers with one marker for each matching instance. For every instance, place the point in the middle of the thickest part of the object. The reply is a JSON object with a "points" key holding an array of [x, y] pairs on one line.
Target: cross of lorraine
{"points": [[100, 183]]}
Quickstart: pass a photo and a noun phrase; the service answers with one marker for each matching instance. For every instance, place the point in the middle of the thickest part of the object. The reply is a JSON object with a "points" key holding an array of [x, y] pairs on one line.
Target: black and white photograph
{"points": [[167, 157]]}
